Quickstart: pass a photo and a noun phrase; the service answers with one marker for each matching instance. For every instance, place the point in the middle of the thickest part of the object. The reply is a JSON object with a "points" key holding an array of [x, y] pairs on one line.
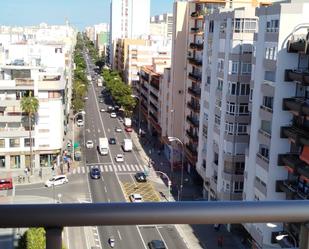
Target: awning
{"points": [[305, 154]]}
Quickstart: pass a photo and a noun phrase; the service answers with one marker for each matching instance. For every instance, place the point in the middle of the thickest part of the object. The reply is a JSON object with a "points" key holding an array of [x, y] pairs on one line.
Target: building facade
{"points": [[162, 25]]}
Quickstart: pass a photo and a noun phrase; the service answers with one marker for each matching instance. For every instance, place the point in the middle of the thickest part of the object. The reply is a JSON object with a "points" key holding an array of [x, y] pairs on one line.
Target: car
{"points": [[117, 129], [110, 108], [102, 110], [56, 180], [89, 144], [156, 244], [136, 198], [116, 107], [6, 183], [140, 177], [112, 140], [113, 115], [86, 98], [95, 173], [119, 158], [80, 122], [128, 129], [101, 101]]}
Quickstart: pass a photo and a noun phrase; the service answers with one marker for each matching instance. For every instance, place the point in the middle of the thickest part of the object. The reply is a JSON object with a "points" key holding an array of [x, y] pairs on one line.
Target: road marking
{"points": [[115, 168], [108, 130], [88, 170], [83, 170], [74, 171], [119, 234], [119, 168], [161, 237], [101, 168], [105, 168], [132, 167], [67, 237], [105, 189], [123, 167], [137, 168], [108, 200], [99, 131], [110, 168], [78, 170]]}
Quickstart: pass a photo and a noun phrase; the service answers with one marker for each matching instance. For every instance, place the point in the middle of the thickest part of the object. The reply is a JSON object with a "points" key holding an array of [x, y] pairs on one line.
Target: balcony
{"points": [[298, 46], [299, 106], [193, 106], [298, 75], [295, 190], [197, 15], [193, 121], [197, 31], [195, 62], [297, 135], [290, 160], [192, 135], [195, 77], [195, 91], [196, 46], [191, 153], [144, 76]]}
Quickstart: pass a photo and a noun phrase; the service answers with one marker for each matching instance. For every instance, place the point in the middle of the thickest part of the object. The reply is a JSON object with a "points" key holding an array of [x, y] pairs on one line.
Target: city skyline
{"points": [[83, 14]]}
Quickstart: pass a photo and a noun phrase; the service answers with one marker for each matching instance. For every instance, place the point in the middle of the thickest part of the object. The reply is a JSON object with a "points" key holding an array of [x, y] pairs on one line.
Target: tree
{"points": [[30, 105]]}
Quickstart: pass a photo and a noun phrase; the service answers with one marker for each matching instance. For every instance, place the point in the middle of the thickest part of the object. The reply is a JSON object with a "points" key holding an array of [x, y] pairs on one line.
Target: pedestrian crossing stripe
{"points": [[110, 168]]}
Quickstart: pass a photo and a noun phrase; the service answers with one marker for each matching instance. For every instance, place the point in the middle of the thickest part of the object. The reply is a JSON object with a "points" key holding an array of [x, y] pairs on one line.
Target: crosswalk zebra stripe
{"points": [[137, 168], [74, 171], [110, 168], [115, 168], [101, 167], [78, 170], [124, 167], [128, 167], [105, 168], [119, 168], [88, 170], [132, 167], [83, 170]]}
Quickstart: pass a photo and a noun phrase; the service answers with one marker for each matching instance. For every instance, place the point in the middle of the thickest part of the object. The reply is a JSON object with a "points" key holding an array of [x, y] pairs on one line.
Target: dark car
{"points": [[95, 173], [140, 177], [112, 140], [156, 244]]}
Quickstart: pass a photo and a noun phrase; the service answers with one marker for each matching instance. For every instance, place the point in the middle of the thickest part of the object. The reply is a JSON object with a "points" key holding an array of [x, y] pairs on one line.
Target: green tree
{"points": [[30, 105]]}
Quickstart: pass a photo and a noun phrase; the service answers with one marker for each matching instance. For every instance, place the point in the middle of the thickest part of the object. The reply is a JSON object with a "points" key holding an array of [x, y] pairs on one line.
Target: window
{"points": [[242, 129], [14, 142], [27, 142], [234, 67], [15, 162], [238, 187], [229, 128], [272, 26], [243, 109], [246, 68], [205, 131], [208, 80], [264, 151], [220, 65], [218, 103], [244, 89], [231, 108], [2, 143], [239, 168], [217, 120], [216, 158], [268, 102], [232, 88], [220, 85]]}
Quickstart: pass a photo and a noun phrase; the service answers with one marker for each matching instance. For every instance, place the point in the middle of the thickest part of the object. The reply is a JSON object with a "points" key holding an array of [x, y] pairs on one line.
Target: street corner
{"points": [[147, 191]]}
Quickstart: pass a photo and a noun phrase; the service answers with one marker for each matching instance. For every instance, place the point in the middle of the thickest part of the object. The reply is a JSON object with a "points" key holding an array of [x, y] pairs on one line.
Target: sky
{"points": [[80, 13]]}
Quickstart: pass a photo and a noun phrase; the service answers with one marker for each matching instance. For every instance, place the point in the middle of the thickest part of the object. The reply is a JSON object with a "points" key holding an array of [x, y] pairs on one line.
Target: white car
{"points": [[101, 101], [136, 198], [102, 110], [113, 115], [86, 98], [119, 158], [80, 122], [117, 129], [56, 180], [89, 144]]}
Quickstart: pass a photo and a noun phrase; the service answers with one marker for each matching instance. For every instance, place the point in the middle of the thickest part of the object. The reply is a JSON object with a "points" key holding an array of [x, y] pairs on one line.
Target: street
{"points": [[115, 184]]}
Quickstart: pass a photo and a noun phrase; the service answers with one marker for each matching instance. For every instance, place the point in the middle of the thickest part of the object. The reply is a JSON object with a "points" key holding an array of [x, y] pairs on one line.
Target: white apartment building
{"points": [[279, 106], [162, 25], [43, 68], [128, 19]]}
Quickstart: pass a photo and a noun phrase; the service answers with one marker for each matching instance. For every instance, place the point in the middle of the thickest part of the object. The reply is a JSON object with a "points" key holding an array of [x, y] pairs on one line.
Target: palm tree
{"points": [[30, 105]]}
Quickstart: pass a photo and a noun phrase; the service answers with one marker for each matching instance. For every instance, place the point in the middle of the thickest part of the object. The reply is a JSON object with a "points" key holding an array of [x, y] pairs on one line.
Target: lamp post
{"points": [[281, 236], [83, 113], [169, 183], [172, 139]]}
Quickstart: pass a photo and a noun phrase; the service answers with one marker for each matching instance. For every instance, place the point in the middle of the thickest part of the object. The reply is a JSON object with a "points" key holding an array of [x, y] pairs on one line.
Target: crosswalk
{"points": [[110, 168]]}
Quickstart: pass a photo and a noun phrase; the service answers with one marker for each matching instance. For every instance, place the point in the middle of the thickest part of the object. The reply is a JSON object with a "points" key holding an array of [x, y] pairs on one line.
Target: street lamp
{"points": [[169, 183], [281, 236], [172, 139], [83, 113]]}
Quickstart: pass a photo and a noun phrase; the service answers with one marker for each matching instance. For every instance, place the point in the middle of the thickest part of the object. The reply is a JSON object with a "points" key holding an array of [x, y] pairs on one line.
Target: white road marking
{"points": [[99, 131], [67, 237], [132, 167], [161, 237], [105, 189], [108, 200], [74, 171], [108, 130], [115, 168], [83, 170], [101, 168], [88, 170], [128, 167], [110, 168], [105, 168], [137, 168], [119, 168], [78, 170], [119, 234]]}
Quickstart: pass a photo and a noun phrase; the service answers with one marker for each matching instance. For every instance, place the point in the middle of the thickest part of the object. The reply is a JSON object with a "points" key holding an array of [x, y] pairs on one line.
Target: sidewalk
{"points": [[195, 236]]}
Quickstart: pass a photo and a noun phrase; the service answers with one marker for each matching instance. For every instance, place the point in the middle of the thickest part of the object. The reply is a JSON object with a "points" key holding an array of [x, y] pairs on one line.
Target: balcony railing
{"points": [[191, 150], [298, 105], [194, 107], [196, 46], [192, 135], [294, 188], [195, 91], [195, 62], [196, 14], [296, 134], [195, 77], [197, 31], [300, 45], [298, 75], [193, 121], [291, 160], [266, 108]]}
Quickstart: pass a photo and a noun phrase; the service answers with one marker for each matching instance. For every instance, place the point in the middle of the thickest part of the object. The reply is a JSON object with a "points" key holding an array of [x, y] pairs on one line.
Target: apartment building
{"points": [[42, 68], [150, 93], [99, 35], [162, 25], [128, 19], [224, 120], [277, 159]]}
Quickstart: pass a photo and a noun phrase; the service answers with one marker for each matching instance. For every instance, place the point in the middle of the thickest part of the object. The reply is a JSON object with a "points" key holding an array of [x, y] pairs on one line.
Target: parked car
{"points": [[6, 183], [119, 158], [140, 177], [101, 101], [113, 115], [112, 140], [89, 144], [56, 180], [117, 129], [102, 110], [95, 173], [136, 198], [80, 122], [156, 244]]}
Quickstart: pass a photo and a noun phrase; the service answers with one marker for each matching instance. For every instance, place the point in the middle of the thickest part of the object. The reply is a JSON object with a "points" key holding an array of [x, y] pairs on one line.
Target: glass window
{"points": [[14, 142], [246, 68], [242, 129], [15, 162], [2, 143], [234, 67], [2, 161], [243, 109], [217, 120], [268, 102], [27, 142], [231, 108]]}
